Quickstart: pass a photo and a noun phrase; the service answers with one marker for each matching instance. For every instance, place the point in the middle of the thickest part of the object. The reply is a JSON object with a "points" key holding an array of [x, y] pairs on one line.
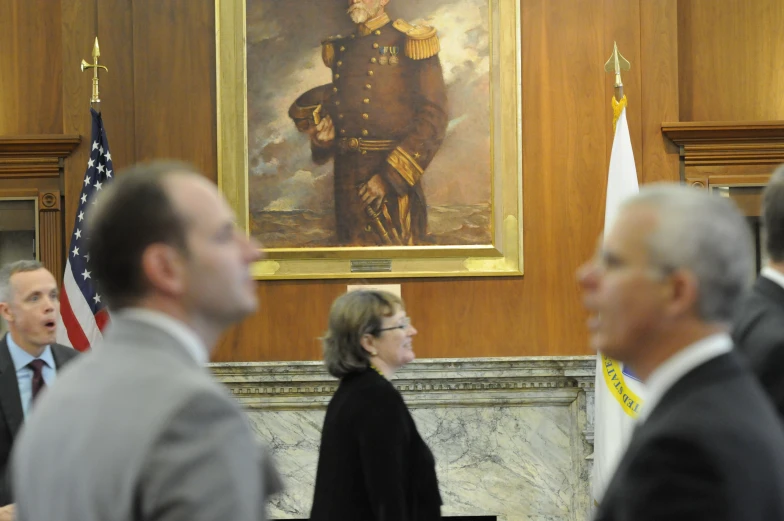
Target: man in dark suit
{"points": [[661, 292], [29, 358], [759, 324]]}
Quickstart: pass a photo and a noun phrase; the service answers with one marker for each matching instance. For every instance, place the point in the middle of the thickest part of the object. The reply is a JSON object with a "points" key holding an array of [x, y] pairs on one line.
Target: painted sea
{"points": [[447, 226]]}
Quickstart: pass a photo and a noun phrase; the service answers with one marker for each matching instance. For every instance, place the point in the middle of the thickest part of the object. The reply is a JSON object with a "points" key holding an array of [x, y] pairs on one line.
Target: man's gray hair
{"points": [[11, 269], [705, 234], [773, 215]]}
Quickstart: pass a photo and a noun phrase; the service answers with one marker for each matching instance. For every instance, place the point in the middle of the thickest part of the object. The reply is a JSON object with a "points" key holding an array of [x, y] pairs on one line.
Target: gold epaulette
{"points": [[421, 40], [328, 50]]}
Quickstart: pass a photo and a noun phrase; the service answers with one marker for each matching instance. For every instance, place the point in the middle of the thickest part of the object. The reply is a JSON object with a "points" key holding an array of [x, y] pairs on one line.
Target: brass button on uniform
{"points": [[341, 116], [342, 131], [365, 116], [337, 76], [370, 73], [375, 45], [334, 89], [342, 48], [366, 101], [368, 86], [337, 102], [373, 60], [364, 132], [377, 33], [340, 63]]}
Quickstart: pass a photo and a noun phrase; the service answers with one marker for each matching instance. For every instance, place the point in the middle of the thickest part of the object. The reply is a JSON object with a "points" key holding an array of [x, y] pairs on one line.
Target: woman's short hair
{"points": [[353, 315]]}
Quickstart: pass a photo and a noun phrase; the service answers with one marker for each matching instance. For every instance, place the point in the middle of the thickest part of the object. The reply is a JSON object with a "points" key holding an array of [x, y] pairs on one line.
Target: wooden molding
{"points": [[42, 145], [738, 155], [50, 218], [35, 156], [716, 143], [692, 132], [37, 160]]}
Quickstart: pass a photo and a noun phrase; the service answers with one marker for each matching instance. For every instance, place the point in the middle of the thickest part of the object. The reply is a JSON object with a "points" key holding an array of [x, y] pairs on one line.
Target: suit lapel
{"points": [[60, 356], [10, 401]]}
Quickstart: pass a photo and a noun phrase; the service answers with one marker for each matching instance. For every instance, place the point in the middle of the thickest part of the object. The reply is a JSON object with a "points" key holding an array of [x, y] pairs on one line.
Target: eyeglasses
{"points": [[405, 323]]}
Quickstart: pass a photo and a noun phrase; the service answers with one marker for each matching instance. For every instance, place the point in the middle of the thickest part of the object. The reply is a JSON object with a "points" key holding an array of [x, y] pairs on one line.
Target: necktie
{"points": [[37, 366]]}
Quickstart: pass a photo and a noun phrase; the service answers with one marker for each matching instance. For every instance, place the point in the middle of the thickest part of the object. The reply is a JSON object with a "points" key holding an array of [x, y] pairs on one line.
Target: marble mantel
{"points": [[512, 437]]}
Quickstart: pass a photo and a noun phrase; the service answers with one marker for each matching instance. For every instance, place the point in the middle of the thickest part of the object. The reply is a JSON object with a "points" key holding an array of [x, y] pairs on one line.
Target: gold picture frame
{"points": [[503, 256]]}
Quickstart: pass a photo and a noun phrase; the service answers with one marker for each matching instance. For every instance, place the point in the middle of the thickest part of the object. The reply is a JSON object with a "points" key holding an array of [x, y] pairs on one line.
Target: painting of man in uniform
{"points": [[369, 123]]}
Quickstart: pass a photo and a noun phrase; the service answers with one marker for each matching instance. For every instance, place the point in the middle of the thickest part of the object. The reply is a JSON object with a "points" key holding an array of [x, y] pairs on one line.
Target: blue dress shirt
{"points": [[24, 374]]}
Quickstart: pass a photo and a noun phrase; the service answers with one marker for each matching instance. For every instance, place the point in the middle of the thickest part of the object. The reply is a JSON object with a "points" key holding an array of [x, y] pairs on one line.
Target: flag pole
{"points": [[95, 100], [615, 65], [614, 411], [83, 314]]}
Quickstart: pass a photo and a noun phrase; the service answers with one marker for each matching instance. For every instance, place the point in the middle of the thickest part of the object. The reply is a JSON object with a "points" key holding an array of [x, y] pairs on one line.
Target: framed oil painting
{"points": [[373, 139]]}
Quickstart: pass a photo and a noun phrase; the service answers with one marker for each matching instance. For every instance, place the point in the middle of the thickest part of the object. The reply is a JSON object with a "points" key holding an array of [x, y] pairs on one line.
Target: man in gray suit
{"points": [[138, 430]]}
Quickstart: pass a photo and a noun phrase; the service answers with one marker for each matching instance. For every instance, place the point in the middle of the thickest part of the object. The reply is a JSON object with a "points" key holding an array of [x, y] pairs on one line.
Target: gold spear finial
{"points": [[96, 53], [615, 65]]}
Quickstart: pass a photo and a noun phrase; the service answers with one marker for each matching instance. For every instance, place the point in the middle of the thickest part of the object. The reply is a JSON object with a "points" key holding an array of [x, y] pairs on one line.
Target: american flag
{"points": [[83, 315]]}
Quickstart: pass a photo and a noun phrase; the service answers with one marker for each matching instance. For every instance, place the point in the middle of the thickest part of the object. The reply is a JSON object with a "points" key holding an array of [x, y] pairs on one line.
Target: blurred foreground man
{"points": [[759, 325], [661, 292], [139, 430]]}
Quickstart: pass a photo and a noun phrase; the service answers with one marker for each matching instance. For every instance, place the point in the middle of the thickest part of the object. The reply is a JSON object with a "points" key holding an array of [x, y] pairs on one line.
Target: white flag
{"points": [[617, 391]]}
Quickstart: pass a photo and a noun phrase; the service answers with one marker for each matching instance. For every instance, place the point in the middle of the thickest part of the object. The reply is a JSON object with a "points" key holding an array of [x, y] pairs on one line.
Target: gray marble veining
{"points": [[511, 436]]}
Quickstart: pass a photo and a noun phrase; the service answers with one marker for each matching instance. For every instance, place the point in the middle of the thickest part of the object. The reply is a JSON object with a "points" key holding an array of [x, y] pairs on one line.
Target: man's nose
{"points": [[586, 274]]}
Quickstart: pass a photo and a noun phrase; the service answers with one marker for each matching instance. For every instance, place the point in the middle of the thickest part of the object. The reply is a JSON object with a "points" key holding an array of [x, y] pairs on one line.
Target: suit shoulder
{"points": [[421, 40], [67, 353], [328, 49]]}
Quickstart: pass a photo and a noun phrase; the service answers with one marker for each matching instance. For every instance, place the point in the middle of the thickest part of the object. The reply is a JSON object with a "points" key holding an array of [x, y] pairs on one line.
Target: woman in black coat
{"points": [[373, 464]]}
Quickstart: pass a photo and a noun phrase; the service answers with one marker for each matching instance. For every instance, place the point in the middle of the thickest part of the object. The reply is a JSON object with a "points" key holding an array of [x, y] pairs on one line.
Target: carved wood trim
{"points": [[43, 145], [703, 144], [40, 158], [50, 217], [742, 153], [35, 156]]}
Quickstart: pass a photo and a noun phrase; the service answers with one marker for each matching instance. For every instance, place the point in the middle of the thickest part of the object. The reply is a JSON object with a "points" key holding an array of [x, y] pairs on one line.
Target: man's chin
{"points": [[49, 340]]}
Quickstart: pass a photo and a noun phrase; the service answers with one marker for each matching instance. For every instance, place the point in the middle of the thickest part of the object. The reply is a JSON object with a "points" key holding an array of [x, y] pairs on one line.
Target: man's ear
{"points": [[164, 268], [683, 297], [5, 312]]}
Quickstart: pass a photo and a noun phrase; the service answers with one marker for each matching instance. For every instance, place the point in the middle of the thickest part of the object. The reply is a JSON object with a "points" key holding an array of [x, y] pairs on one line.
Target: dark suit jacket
{"points": [[373, 465], [759, 335], [11, 415], [712, 449]]}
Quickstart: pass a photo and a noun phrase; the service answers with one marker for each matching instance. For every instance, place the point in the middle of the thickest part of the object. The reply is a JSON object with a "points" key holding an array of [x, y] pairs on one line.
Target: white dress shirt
{"points": [[181, 332], [774, 275], [677, 366]]}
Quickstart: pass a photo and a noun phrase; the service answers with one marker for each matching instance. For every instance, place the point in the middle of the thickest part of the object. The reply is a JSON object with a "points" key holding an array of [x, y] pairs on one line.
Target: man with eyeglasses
{"points": [[661, 293]]}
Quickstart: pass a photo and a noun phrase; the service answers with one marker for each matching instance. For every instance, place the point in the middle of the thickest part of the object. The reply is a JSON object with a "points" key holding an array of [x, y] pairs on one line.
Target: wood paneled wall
{"points": [[730, 60], [31, 98], [567, 136], [159, 100]]}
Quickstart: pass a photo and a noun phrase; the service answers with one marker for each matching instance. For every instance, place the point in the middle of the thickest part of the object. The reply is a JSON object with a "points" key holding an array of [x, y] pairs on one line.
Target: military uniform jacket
{"points": [[387, 101]]}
